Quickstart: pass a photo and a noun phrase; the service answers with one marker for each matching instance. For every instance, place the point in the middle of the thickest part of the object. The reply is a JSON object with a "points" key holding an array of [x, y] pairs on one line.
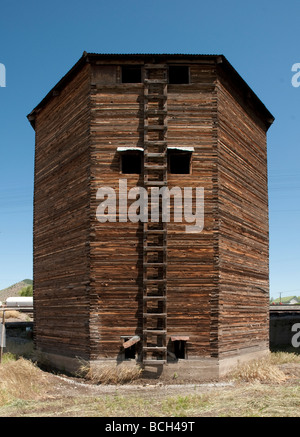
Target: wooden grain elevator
{"points": [[151, 293]]}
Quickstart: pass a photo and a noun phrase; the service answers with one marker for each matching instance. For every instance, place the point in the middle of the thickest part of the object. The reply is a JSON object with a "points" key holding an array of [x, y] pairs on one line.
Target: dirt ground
{"points": [[59, 395], [143, 388]]}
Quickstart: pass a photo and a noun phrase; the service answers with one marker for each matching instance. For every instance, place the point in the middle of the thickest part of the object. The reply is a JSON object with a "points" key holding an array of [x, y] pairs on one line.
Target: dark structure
{"points": [[151, 291], [284, 327]]}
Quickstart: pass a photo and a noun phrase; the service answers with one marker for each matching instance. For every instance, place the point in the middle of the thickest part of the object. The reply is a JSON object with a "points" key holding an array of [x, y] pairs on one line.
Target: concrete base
{"points": [[227, 364], [66, 364], [190, 370]]}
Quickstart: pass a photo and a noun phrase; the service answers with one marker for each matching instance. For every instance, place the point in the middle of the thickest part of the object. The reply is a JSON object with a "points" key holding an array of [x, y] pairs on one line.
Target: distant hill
{"points": [[14, 290]]}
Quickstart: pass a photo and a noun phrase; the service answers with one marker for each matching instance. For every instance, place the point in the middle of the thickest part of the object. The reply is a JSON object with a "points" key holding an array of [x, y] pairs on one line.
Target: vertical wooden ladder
{"points": [[155, 233]]}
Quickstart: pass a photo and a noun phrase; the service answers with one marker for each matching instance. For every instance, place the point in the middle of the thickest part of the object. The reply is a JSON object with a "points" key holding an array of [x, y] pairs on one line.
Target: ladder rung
{"points": [[151, 111], [150, 153], [155, 155], [155, 231], [156, 127], [155, 297], [156, 143], [155, 66], [155, 166], [155, 81], [155, 315], [154, 264], [156, 183], [151, 248], [154, 332], [155, 348], [154, 362], [155, 281], [155, 96]]}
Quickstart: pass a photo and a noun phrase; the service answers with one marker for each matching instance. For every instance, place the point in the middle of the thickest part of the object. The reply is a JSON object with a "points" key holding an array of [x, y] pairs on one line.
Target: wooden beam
{"points": [[131, 341]]}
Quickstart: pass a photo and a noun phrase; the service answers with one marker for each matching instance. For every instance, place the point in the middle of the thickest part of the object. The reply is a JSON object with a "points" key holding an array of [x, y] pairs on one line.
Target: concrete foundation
{"points": [[229, 363], [183, 370]]}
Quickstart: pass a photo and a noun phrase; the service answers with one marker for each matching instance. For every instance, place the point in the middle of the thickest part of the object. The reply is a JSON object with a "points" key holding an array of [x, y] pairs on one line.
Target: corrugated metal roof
{"points": [[151, 54]]}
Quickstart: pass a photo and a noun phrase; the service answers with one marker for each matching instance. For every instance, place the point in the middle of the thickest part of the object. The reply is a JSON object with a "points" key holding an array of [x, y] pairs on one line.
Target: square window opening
{"points": [[179, 162], [180, 349], [131, 74], [179, 74], [131, 163]]}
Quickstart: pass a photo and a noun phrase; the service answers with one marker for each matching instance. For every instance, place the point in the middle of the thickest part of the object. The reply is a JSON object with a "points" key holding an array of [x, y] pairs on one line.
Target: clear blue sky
{"points": [[40, 41]]}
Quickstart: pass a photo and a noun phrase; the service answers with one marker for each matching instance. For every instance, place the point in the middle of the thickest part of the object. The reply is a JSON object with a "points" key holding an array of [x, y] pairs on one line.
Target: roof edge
{"points": [[89, 57], [60, 84], [230, 70]]}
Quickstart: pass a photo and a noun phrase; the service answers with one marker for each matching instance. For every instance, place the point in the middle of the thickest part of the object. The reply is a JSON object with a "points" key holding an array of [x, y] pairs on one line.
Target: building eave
{"points": [[222, 63]]}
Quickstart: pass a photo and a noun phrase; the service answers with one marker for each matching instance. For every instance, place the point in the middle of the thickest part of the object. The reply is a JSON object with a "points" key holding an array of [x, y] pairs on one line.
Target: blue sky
{"points": [[40, 41]]}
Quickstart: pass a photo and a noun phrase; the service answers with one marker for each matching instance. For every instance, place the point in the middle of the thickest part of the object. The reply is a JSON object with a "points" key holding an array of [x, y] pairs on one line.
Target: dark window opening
{"points": [[180, 349], [179, 74], [131, 163], [131, 74], [179, 162], [130, 352]]}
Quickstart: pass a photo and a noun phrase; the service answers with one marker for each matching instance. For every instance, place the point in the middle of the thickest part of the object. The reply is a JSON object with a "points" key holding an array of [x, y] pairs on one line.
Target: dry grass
{"points": [[281, 357], [20, 379], [260, 389], [258, 371], [109, 374], [11, 314], [254, 399], [266, 369]]}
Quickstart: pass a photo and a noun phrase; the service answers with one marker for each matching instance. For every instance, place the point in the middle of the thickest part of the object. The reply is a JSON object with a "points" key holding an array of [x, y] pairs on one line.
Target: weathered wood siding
{"points": [[116, 256], [243, 230], [88, 276], [116, 248], [192, 269], [61, 221]]}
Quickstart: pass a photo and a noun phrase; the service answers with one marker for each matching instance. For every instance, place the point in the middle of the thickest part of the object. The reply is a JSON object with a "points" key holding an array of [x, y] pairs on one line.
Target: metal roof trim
{"points": [[181, 148], [130, 148]]}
